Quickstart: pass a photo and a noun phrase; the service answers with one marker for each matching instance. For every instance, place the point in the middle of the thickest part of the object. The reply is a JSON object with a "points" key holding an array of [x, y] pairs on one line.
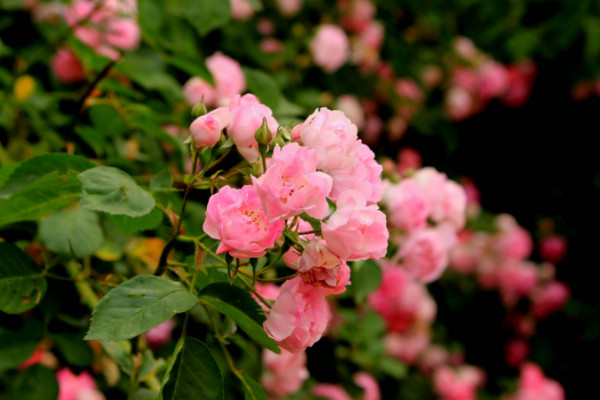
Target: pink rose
{"points": [[330, 391], [206, 129], [407, 346], [292, 185], [369, 385], [401, 301], [356, 230], [512, 241], [357, 14], [228, 75], [516, 279], [290, 257], [433, 185], [299, 316], [350, 106], [458, 384], [160, 334], [67, 67], [330, 47], [459, 104], [76, 387], [283, 373], [364, 176], [534, 385], [288, 8], [408, 159], [241, 10], [455, 204], [123, 33], [549, 299], [407, 206], [333, 135], [493, 80], [197, 89], [425, 254], [247, 116], [515, 352], [236, 217], [320, 267], [553, 248]]}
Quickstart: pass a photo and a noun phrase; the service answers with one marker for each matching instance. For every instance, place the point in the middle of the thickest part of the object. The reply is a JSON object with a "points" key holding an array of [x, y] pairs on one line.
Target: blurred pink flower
{"points": [[330, 47], [76, 387], [67, 67], [283, 373]]}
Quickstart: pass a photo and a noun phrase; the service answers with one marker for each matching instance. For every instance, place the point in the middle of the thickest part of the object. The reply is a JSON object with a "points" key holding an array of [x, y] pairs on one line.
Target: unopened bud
{"points": [[263, 134], [199, 109]]}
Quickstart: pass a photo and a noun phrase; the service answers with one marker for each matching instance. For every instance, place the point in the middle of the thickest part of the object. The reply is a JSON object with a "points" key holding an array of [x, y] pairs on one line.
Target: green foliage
{"points": [[238, 305], [137, 305], [16, 346], [36, 383], [252, 390], [22, 284], [130, 225], [194, 375], [365, 278], [112, 191], [74, 232]]}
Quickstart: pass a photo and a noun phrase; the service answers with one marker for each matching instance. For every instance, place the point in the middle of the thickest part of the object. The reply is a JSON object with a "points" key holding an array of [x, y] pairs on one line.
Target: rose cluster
{"points": [[323, 172]]}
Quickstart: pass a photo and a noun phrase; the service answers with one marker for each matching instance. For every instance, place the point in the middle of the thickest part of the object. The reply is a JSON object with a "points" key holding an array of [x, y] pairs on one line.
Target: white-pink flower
{"points": [[407, 206], [283, 373]]}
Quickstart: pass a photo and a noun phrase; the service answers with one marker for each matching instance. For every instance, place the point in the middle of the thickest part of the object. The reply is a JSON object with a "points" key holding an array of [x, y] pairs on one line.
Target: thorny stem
{"points": [[92, 85]]}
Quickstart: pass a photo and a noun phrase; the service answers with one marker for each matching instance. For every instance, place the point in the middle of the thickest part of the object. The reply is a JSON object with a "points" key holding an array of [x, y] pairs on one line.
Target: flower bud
{"points": [[199, 109], [263, 134]]}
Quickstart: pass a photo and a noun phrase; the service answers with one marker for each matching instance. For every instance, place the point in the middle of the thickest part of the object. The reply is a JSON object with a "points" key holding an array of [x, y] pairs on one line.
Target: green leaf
{"points": [[252, 390], [36, 167], [195, 374], [131, 225], [17, 346], [263, 86], [137, 305], [120, 352], [203, 15], [36, 383], [73, 348], [192, 68], [112, 191], [238, 305], [163, 181], [21, 282], [365, 278], [49, 193], [72, 232]]}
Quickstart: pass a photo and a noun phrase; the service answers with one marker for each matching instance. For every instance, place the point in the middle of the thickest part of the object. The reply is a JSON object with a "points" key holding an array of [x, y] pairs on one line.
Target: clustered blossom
{"points": [[458, 383], [534, 385], [319, 166], [425, 212], [363, 380], [477, 78], [76, 387]]}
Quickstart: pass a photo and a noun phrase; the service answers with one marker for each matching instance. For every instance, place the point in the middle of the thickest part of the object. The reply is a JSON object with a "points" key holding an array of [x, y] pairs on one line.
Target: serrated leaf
{"points": [[112, 191], [75, 231], [195, 374], [137, 305], [36, 167], [131, 225], [49, 193], [365, 277], [22, 284], [252, 390], [238, 305]]}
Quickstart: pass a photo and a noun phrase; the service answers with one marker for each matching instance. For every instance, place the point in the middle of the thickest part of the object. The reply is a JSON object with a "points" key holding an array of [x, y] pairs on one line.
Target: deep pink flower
{"points": [[553, 248], [292, 185], [247, 116], [330, 47], [333, 135], [549, 299], [356, 230], [236, 217], [67, 67], [458, 384], [299, 316], [206, 129], [533, 385]]}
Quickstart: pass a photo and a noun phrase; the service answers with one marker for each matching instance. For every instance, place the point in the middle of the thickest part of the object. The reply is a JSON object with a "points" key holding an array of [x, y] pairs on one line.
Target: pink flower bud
{"points": [[206, 129], [67, 67]]}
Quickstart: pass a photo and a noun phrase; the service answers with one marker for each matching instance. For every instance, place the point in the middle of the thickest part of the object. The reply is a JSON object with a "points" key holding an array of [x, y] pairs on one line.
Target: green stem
{"points": [[162, 263], [88, 296]]}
